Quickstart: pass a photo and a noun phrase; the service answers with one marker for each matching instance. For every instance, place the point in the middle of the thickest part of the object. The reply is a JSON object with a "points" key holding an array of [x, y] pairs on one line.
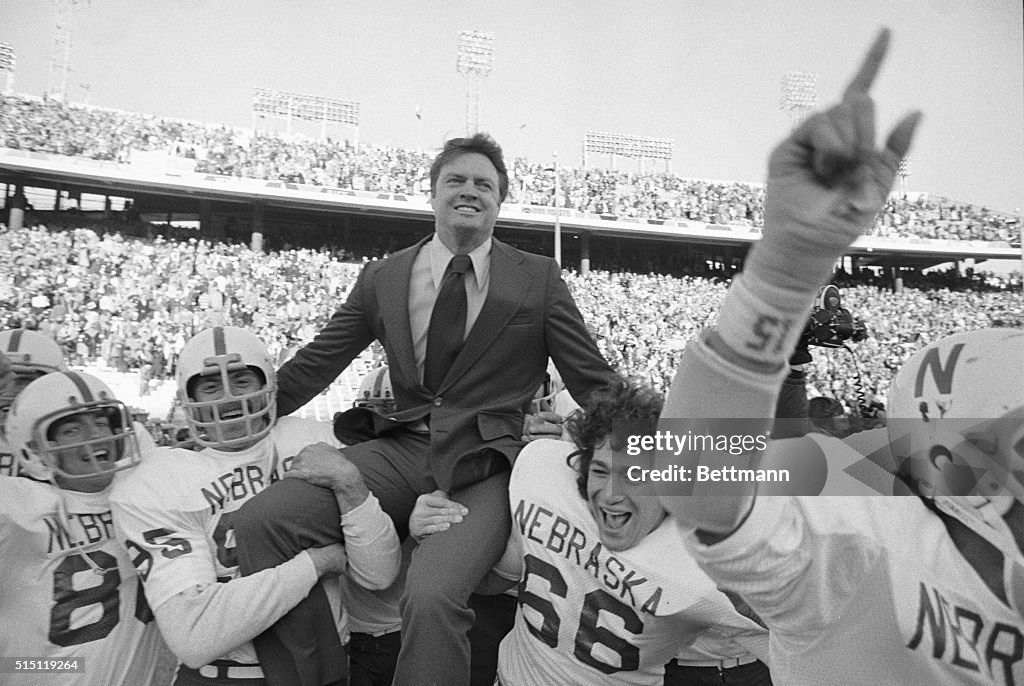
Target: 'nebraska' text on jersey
{"points": [[54, 603], [176, 508], [594, 616], [867, 590]]}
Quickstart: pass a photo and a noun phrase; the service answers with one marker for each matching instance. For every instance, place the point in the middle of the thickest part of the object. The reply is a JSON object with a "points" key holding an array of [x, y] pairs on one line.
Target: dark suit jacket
{"points": [[528, 316]]}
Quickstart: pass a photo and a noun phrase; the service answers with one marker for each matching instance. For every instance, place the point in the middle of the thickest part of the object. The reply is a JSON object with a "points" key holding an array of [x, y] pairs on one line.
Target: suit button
{"points": [[438, 402]]}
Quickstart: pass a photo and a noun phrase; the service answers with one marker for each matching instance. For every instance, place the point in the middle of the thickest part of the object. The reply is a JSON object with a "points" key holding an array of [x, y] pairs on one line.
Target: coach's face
{"points": [[625, 511], [466, 199]]}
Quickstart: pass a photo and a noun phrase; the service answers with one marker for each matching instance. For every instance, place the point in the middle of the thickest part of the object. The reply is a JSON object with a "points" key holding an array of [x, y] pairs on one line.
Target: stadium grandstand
{"points": [[188, 216], [125, 232]]}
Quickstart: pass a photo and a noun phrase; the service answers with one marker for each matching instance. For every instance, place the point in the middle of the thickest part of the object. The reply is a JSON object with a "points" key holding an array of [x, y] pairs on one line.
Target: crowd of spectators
{"points": [[642, 322], [57, 127], [133, 302]]}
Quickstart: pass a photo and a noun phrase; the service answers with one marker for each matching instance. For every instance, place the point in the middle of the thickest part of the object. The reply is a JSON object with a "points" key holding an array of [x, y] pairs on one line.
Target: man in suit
{"points": [[460, 402]]}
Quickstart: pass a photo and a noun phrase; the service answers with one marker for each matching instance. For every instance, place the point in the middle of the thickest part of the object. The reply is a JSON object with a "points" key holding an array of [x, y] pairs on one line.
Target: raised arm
{"points": [[826, 183]]}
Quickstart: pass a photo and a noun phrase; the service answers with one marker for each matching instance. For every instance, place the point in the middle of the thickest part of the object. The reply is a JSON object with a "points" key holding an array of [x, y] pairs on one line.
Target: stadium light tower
{"points": [[476, 57], [558, 213], [60, 57], [799, 95], [7, 62], [903, 171]]}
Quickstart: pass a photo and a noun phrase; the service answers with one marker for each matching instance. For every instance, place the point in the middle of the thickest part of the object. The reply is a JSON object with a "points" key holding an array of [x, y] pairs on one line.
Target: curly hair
{"points": [[480, 143], [600, 416]]}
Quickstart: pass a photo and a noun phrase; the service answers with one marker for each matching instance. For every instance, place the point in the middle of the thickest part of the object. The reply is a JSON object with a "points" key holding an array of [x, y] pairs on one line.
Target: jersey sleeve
{"points": [[203, 623], [371, 543], [798, 561]]}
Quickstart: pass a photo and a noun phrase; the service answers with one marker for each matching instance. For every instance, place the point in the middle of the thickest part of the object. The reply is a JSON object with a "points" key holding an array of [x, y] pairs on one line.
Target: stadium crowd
{"points": [[56, 127], [133, 302], [618, 580]]}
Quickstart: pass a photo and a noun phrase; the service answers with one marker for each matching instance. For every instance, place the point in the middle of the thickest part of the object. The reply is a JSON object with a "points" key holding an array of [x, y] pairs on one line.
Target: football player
{"points": [[375, 391], [69, 592], [31, 354], [608, 594], [919, 589], [177, 512]]}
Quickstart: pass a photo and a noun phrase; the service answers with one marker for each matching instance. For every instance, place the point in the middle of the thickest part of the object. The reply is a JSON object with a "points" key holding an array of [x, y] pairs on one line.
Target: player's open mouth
{"points": [[615, 520], [97, 456], [466, 209]]}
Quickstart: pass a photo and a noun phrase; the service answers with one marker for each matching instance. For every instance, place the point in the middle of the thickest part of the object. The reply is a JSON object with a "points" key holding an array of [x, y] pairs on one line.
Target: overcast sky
{"points": [[705, 73]]}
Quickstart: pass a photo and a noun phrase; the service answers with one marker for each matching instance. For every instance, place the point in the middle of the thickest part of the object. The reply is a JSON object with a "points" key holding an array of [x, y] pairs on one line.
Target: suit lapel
{"points": [[509, 284], [394, 304]]}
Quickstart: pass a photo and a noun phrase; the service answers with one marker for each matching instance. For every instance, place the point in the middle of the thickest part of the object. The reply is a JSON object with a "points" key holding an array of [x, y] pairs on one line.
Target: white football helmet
{"points": [[375, 391], [544, 398], [58, 396], [956, 416], [31, 355], [219, 351]]}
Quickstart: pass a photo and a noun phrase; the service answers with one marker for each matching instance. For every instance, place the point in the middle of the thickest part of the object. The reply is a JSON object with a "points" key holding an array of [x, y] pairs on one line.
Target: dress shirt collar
{"points": [[440, 256]]}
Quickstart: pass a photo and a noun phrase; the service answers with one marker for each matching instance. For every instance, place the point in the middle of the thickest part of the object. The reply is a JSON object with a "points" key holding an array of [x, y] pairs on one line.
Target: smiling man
{"points": [[609, 594], [177, 514], [68, 590], [468, 324]]}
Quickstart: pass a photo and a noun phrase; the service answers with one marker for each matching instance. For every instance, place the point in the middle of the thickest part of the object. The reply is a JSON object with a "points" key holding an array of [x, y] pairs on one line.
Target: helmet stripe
{"points": [[15, 342], [219, 345], [378, 384], [80, 384]]}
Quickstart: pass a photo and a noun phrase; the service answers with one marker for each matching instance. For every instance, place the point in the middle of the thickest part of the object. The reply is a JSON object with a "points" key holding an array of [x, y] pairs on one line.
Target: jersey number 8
{"points": [[67, 599]]}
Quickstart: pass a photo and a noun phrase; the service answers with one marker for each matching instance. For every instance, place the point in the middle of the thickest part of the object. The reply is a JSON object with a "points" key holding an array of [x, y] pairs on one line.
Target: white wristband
{"points": [[760, 321]]}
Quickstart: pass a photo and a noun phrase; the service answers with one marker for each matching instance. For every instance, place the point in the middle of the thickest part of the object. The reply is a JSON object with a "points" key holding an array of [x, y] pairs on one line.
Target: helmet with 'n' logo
{"points": [[956, 415]]}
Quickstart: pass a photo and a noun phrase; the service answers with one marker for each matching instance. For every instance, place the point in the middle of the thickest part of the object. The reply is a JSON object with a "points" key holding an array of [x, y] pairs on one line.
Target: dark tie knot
{"points": [[460, 264]]}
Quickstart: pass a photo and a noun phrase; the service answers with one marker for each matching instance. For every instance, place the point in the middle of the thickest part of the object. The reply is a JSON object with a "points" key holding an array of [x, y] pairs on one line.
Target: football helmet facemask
{"points": [[375, 391], [234, 421], [544, 398], [47, 403]]}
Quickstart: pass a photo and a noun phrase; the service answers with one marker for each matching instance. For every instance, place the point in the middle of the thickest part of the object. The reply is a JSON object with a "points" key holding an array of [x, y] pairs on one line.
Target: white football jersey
{"points": [[866, 590], [592, 616], [54, 605], [175, 509]]}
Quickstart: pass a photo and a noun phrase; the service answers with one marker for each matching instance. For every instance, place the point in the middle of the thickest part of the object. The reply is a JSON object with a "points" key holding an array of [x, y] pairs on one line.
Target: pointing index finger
{"points": [[861, 83]]}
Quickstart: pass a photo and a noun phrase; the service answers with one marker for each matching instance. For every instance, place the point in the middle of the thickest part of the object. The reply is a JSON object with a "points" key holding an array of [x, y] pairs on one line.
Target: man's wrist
{"points": [[788, 257], [759, 323], [350, 495]]}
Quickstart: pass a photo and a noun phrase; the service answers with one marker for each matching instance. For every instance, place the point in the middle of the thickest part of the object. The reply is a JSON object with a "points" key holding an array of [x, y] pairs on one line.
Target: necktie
{"points": [[447, 322]]}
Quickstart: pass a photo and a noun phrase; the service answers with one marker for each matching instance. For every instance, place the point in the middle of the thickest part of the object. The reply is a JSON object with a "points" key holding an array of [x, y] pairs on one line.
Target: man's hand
{"points": [[434, 513], [324, 465], [542, 425], [826, 183], [329, 560]]}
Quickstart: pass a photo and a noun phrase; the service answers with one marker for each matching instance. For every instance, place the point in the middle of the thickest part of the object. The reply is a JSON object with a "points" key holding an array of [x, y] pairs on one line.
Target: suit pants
{"points": [[444, 570]]}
